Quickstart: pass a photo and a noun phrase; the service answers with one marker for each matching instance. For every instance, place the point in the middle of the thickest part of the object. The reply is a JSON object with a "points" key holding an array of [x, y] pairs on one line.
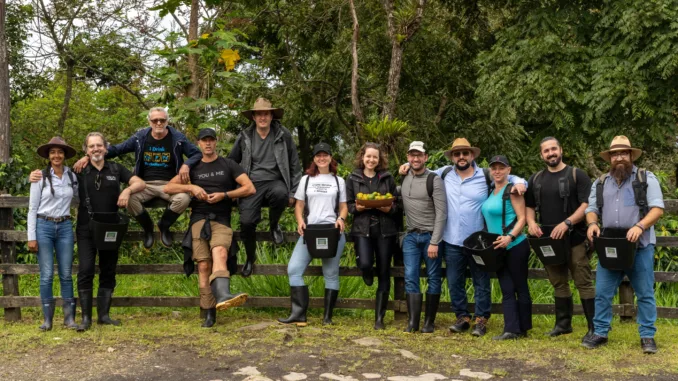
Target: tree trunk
{"points": [[393, 85], [4, 90], [192, 90], [355, 100], [67, 95]]}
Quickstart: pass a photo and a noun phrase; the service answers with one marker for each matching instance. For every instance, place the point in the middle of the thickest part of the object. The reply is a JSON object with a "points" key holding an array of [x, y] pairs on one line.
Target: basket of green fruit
{"points": [[374, 199]]}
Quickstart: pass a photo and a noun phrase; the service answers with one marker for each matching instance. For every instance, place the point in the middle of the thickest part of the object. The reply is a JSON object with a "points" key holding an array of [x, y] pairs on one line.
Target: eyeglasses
{"points": [[461, 153], [621, 154], [158, 121], [97, 181]]}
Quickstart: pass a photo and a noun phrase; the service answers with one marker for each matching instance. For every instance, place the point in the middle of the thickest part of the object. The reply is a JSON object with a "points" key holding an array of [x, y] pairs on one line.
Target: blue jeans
{"points": [[415, 249], [457, 262], [51, 237], [301, 258], [641, 276]]}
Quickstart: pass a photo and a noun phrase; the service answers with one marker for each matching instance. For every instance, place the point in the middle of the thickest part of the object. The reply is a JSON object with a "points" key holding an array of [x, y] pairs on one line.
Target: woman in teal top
{"points": [[516, 300]]}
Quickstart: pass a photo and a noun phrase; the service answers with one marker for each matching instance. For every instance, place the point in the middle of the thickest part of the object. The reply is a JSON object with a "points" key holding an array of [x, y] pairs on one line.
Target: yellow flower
{"points": [[204, 36], [230, 57]]}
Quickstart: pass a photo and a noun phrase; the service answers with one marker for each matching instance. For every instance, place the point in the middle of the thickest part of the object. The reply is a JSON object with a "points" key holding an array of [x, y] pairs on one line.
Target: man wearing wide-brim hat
{"points": [[267, 153], [630, 199], [467, 186]]}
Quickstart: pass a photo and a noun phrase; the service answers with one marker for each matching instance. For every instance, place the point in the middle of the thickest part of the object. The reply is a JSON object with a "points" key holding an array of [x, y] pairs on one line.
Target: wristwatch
{"points": [[341, 218], [568, 223], [513, 238]]}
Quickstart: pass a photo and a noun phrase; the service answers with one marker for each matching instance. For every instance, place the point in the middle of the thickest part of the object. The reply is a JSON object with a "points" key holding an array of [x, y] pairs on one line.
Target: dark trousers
{"points": [[87, 252], [367, 249], [516, 301], [273, 194]]}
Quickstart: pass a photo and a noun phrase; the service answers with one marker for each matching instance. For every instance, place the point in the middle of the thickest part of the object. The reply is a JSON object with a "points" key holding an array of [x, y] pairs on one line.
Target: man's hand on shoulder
{"points": [[184, 172], [35, 176]]}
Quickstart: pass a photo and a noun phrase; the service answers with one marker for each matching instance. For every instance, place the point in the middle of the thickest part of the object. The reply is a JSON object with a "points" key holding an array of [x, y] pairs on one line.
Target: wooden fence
{"points": [[12, 301]]}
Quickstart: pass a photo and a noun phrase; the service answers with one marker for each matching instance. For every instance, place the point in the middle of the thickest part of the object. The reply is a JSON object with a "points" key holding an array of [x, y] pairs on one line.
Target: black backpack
{"points": [[563, 189], [71, 177], [639, 193], [429, 179]]}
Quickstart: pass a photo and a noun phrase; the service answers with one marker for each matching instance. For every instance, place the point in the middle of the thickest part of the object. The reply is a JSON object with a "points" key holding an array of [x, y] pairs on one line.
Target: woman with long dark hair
{"points": [[374, 231], [321, 199], [50, 230]]}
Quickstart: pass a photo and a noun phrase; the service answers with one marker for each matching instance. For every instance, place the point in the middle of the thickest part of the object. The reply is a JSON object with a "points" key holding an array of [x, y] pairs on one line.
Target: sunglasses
{"points": [[461, 153], [97, 182], [158, 121]]}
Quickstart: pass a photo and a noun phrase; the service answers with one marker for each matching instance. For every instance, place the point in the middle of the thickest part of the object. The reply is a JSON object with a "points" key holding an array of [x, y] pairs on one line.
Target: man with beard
{"points": [[563, 209], [467, 186], [630, 203]]}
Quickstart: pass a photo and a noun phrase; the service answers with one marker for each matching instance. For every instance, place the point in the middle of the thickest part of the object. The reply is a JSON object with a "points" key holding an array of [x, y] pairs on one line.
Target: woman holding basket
{"points": [[320, 207]]}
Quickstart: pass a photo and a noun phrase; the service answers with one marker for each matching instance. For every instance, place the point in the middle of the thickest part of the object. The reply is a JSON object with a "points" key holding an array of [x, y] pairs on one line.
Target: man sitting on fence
{"points": [[628, 198], [267, 153], [159, 155], [213, 183]]}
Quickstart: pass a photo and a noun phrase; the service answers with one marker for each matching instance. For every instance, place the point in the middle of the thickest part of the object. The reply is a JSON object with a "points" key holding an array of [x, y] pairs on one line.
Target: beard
{"points": [[555, 163], [463, 167], [621, 170]]}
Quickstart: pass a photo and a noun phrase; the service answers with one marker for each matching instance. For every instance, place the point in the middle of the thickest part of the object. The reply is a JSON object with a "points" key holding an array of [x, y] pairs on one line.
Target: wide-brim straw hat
{"points": [[621, 143], [263, 104], [461, 144], [56, 142]]}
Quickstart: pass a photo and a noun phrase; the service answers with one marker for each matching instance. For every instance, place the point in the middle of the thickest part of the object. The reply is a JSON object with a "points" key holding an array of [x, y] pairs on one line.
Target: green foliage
{"points": [[392, 135]]}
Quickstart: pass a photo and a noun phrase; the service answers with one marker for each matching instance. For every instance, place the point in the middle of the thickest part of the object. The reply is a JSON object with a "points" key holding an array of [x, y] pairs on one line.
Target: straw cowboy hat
{"points": [[621, 143], [461, 144], [263, 104], [56, 142]]}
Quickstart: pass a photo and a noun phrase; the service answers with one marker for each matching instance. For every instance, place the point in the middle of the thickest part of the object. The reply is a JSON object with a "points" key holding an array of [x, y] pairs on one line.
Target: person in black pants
{"points": [[374, 231], [102, 179]]}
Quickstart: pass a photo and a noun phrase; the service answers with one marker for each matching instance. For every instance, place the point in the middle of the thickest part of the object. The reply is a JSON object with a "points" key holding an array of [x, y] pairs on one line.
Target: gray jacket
{"points": [[284, 149]]}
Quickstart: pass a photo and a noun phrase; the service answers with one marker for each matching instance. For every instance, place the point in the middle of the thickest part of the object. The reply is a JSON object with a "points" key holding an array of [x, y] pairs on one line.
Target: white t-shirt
{"points": [[322, 196]]}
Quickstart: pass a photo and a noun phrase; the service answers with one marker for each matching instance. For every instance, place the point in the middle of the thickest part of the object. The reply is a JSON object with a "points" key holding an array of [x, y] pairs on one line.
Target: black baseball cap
{"points": [[500, 159], [207, 133], [322, 147]]}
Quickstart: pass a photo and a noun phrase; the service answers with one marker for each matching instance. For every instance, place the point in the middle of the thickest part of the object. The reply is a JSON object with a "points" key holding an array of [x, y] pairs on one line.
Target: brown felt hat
{"points": [[56, 142], [263, 104], [621, 143], [461, 144]]}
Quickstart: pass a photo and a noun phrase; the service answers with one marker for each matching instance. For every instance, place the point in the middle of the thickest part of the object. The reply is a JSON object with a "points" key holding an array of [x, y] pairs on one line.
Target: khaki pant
{"points": [[579, 265], [177, 202], [222, 235]]}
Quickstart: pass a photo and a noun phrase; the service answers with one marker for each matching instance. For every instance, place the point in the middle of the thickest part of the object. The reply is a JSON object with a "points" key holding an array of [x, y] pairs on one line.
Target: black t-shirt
{"points": [[159, 161], [216, 176], [105, 199], [551, 205]]}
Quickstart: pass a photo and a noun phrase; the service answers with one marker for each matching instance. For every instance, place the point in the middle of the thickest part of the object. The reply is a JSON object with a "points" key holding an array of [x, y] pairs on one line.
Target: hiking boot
{"points": [[480, 328], [508, 336], [462, 324], [649, 345], [594, 341]]}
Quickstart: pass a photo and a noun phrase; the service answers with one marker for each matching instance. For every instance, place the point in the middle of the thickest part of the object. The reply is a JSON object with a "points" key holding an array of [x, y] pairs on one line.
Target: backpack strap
{"points": [[446, 171], [506, 197], [429, 183], [488, 181], [599, 195], [640, 191], [536, 192], [306, 210], [336, 203], [564, 188]]}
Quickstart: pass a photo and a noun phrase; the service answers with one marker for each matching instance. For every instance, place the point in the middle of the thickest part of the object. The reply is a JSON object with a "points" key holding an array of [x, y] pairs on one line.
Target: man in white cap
{"points": [[425, 207], [267, 153], [628, 198]]}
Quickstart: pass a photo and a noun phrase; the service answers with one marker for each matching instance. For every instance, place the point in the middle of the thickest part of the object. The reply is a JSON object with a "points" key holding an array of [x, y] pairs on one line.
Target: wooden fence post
{"points": [[398, 287], [10, 283], [626, 299]]}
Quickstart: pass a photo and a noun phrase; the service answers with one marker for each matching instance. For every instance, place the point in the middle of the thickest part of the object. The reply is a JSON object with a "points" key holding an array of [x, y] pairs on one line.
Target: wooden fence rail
{"points": [[12, 302]]}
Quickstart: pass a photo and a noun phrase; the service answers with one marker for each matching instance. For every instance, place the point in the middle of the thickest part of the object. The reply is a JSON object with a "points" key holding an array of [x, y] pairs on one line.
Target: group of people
{"points": [[441, 207]]}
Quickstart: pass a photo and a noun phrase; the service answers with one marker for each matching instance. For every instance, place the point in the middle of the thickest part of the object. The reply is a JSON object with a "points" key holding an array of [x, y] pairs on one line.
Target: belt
{"points": [[54, 219], [419, 231]]}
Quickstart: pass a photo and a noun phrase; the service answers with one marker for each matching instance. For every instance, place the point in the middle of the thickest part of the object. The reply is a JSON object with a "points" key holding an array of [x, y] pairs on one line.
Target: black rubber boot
{"points": [[85, 297], [210, 317], [104, 306], [168, 218], [563, 325], [432, 302], [48, 306], [589, 307], [330, 302], [368, 276], [413, 312], [380, 305], [144, 219], [221, 289], [247, 267], [299, 297], [69, 313]]}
